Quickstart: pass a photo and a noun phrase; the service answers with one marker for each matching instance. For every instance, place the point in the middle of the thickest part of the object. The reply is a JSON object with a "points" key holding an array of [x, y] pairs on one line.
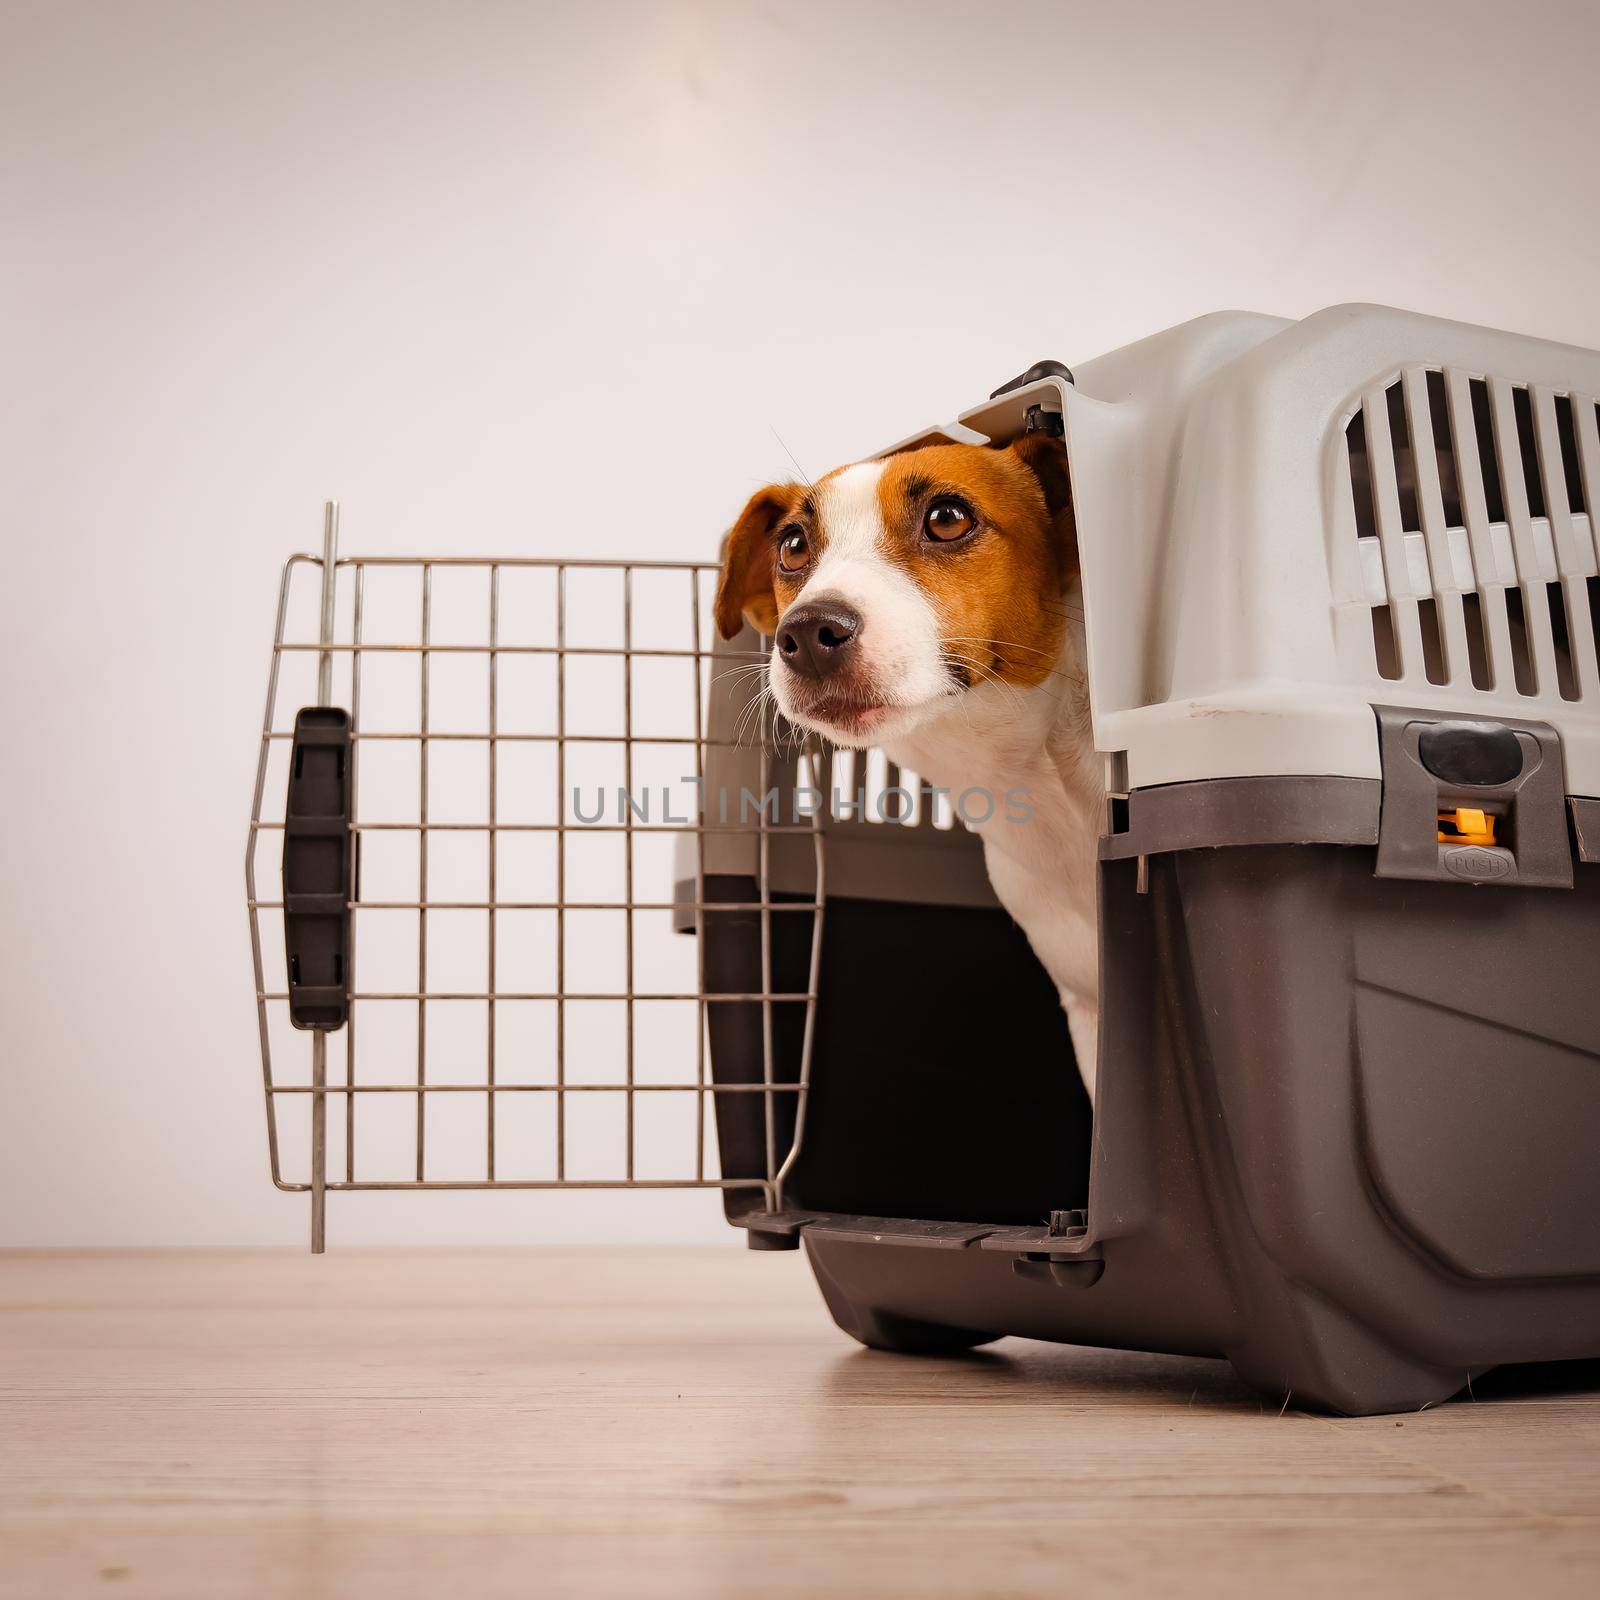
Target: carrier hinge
{"points": [[1039, 418], [1060, 1253]]}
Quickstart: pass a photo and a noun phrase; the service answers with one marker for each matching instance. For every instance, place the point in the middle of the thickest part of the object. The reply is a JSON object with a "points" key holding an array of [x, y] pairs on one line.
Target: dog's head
{"points": [[892, 588]]}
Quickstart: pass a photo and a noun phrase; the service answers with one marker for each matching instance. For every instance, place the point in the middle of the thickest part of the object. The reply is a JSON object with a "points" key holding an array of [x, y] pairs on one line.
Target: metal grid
{"points": [[568, 1074]]}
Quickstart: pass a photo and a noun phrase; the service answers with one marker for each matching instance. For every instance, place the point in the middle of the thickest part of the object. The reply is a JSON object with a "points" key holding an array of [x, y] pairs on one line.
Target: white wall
{"points": [[539, 279]]}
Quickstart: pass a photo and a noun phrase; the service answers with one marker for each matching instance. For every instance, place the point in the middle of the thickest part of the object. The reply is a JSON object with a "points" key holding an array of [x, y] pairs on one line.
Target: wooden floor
{"points": [[689, 1423]]}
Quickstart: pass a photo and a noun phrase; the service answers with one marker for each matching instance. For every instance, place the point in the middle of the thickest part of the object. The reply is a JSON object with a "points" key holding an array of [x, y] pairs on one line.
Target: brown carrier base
{"points": [[1345, 1135]]}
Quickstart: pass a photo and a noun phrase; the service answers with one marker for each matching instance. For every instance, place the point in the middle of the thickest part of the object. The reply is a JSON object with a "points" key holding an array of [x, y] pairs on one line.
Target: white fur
{"points": [[992, 737], [1043, 869], [899, 642]]}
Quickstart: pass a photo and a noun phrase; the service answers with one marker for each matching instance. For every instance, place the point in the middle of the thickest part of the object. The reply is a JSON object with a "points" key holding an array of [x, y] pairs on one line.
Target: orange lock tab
{"points": [[1466, 825]]}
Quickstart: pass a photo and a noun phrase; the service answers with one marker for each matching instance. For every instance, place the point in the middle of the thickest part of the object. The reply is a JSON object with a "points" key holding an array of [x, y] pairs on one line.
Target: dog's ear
{"points": [[1045, 456], [749, 560]]}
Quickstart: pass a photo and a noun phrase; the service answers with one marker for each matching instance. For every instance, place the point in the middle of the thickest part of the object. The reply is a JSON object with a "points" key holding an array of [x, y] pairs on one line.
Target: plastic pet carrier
{"points": [[1342, 608]]}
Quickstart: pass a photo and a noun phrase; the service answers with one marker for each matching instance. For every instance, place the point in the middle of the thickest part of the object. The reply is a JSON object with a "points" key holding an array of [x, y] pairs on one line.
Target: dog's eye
{"points": [[948, 519], [793, 551]]}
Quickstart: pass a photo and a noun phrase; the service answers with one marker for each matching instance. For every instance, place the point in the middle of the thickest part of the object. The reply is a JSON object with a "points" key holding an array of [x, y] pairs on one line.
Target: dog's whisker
{"points": [[749, 717], [791, 455], [754, 715], [744, 671], [996, 644], [1006, 644], [986, 674]]}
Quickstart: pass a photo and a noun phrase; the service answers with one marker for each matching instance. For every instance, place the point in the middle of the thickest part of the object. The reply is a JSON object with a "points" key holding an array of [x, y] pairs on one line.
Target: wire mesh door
{"points": [[540, 756]]}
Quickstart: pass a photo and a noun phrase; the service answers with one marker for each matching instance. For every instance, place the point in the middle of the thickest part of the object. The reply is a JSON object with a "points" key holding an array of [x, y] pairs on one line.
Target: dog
{"points": [[930, 603]]}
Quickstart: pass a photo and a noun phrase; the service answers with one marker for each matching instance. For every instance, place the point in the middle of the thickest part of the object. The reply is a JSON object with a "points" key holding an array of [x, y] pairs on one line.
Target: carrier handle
{"points": [[318, 870]]}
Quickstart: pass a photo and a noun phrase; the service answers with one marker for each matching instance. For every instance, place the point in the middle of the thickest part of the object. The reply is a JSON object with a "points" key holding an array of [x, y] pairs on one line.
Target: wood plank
{"points": [[688, 1422]]}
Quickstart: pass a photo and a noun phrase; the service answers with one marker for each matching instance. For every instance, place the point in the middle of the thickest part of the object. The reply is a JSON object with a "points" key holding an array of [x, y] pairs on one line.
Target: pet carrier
{"points": [[1342, 609]]}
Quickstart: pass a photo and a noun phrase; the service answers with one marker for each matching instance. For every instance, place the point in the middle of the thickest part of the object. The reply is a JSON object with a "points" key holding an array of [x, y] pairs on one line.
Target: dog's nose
{"points": [[818, 638]]}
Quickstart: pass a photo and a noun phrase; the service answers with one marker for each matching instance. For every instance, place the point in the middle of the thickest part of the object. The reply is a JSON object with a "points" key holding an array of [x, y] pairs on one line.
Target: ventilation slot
{"points": [[1478, 642], [1594, 611], [1568, 433], [1433, 661], [1521, 646], [1444, 449], [1384, 644], [1361, 477], [1522, 404], [1483, 426], [1561, 633], [1405, 466], [1385, 641]]}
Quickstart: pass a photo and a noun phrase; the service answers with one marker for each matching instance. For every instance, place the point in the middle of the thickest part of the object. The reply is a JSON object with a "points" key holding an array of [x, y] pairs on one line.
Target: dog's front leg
{"points": [[1083, 1023]]}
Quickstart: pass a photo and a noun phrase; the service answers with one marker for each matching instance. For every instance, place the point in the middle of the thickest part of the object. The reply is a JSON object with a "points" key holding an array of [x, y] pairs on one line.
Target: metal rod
{"points": [[262, 1027], [764, 873], [319, 1039], [493, 840], [627, 847], [378, 1185], [355, 942], [538, 1088], [319, 1141], [330, 579], [542, 827], [701, 1018], [399, 737], [555, 995], [813, 984], [804, 908], [291, 646], [422, 888], [561, 869], [547, 563]]}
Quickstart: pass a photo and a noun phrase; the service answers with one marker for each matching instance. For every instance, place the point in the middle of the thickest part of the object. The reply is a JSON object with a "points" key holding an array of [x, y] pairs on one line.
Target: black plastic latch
{"points": [[1040, 369], [1472, 801], [318, 869]]}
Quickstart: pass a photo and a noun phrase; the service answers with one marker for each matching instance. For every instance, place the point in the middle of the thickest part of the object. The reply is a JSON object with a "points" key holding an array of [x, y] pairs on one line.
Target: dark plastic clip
{"points": [[318, 869], [1040, 369], [1039, 419]]}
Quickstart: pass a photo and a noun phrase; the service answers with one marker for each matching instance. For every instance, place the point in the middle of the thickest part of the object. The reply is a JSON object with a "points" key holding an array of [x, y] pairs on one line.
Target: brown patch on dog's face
{"points": [[987, 535], [760, 575], [746, 589], [893, 586]]}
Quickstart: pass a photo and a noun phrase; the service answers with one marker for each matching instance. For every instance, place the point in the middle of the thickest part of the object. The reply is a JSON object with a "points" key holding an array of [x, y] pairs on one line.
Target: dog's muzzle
{"points": [[818, 640]]}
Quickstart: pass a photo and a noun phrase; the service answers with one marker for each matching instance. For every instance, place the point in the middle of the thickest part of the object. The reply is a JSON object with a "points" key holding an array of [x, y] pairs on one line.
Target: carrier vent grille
{"points": [[1478, 561], [850, 786]]}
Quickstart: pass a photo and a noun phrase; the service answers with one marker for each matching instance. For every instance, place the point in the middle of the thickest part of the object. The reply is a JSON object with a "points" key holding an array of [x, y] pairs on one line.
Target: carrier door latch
{"points": [[1472, 800]]}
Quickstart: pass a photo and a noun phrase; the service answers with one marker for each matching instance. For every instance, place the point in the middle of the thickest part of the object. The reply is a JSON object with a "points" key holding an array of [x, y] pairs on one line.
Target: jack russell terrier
{"points": [[929, 604]]}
